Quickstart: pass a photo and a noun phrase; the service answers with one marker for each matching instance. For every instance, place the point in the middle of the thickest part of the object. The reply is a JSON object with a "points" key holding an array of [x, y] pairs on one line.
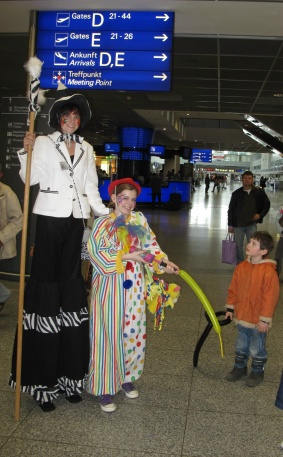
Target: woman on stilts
{"points": [[55, 321]]}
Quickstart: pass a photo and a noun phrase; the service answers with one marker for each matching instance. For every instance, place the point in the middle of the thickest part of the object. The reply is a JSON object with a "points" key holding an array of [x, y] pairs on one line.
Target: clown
{"points": [[117, 305]]}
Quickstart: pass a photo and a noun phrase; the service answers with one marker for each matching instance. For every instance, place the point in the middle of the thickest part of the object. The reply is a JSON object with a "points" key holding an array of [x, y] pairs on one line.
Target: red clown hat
{"points": [[117, 182]]}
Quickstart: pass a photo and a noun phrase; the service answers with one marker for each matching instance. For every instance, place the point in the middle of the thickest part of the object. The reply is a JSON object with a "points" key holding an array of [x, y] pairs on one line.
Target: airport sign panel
{"points": [[112, 50]]}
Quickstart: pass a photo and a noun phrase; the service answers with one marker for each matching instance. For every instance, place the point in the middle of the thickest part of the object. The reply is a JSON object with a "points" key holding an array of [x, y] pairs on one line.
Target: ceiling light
{"points": [[252, 120], [278, 95], [276, 152], [260, 141]]}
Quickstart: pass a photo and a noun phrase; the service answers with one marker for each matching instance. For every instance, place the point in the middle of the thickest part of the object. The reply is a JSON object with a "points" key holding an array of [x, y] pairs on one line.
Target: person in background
{"points": [[11, 221], [251, 301], [272, 183], [279, 397], [247, 208], [117, 305], [156, 185], [216, 183], [262, 182], [207, 183], [223, 183], [55, 332], [100, 173], [171, 175], [279, 248]]}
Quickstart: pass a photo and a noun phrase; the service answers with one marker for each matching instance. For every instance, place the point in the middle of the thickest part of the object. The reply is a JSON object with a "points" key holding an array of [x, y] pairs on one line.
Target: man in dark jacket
{"points": [[247, 208]]}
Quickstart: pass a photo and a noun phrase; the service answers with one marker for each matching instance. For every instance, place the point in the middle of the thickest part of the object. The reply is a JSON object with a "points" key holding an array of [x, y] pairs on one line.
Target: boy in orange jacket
{"points": [[252, 297]]}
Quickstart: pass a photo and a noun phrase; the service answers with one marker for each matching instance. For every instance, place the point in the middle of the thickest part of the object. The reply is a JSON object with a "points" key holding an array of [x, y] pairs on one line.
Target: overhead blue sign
{"points": [[105, 20], [201, 155], [106, 50], [130, 60], [115, 80], [143, 41]]}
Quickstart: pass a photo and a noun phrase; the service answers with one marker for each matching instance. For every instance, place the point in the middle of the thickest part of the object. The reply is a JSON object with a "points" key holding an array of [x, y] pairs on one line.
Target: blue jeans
{"points": [[279, 396], [279, 254], [250, 342], [239, 235]]}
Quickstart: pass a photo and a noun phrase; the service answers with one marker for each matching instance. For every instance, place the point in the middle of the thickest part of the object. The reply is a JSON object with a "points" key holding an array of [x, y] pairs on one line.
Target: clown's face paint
{"points": [[70, 122], [126, 201]]}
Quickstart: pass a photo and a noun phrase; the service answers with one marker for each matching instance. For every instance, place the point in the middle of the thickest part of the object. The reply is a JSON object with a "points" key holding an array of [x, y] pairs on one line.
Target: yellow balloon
{"points": [[207, 306]]}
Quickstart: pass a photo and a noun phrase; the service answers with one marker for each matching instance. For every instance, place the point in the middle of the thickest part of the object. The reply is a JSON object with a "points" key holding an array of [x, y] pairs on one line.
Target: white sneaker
{"points": [[129, 389], [106, 404]]}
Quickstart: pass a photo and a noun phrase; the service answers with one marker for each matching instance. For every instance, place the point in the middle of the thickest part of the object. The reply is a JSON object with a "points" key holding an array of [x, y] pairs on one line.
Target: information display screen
{"points": [[132, 155], [201, 155], [113, 50], [112, 148], [157, 150], [185, 153], [135, 137]]}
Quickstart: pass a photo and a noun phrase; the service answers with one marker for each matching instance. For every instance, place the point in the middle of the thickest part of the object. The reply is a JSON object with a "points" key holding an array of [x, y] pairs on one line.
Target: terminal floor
{"points": [[182, 410]]}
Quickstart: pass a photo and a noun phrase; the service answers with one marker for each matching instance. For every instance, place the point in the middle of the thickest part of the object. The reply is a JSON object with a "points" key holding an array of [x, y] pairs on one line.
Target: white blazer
{"points": [[64, 188]]}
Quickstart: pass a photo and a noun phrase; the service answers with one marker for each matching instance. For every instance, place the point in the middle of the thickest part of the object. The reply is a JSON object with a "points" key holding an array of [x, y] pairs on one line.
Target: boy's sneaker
{"points": [[106, 403], [236, 374], [129, 389], [255, 379]]}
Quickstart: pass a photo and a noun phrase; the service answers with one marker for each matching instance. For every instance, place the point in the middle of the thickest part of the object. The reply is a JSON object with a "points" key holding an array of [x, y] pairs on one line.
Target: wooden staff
{"points": [[34, 67]]}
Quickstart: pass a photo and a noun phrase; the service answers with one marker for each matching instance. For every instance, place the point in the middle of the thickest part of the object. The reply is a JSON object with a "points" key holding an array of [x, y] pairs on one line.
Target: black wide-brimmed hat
{"points": [[63, 98]]}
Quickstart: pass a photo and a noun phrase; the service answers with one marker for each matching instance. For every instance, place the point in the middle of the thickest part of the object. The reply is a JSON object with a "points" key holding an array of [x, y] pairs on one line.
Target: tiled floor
{"points": [[181, 410]]}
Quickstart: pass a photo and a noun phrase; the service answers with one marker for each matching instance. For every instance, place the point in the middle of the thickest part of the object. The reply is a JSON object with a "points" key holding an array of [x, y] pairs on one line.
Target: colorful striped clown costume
{"points": [[117, 305]]}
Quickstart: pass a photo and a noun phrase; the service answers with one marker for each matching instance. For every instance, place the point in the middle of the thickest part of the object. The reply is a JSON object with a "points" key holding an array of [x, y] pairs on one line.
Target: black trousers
{"points": [[55, 333], [158, 195]]}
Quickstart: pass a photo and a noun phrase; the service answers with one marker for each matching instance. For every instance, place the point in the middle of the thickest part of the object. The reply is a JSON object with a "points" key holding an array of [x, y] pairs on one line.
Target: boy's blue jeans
{"points": [[250, 342]]}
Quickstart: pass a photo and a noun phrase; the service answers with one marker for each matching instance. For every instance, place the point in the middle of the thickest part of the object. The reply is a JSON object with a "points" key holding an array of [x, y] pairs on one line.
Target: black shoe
{"points": [[255, 379], [236, 374], [47, 406], [74, 398]]}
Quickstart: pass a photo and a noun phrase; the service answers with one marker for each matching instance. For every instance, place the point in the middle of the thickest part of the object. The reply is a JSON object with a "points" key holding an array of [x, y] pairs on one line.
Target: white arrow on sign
{"points": [[163, 57], [163, 76], [163, 37], [165, 17]]}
